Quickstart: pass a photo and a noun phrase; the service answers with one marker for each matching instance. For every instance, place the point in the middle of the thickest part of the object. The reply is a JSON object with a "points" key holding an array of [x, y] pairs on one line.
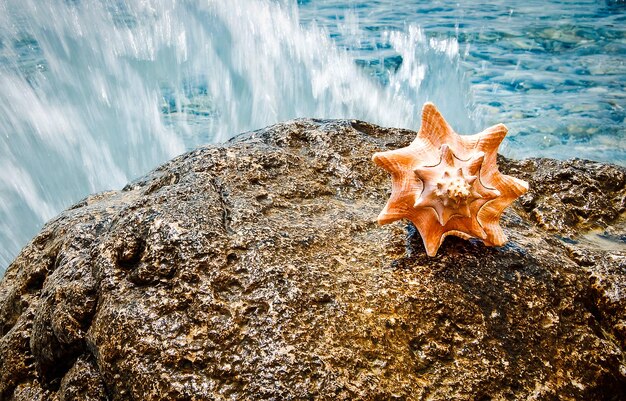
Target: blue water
{"points": [[95, 93], [554, 72]]}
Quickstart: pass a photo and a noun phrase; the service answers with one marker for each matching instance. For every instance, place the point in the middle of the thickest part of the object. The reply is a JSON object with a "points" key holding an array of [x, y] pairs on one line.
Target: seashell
{"points": [[448, 184]]}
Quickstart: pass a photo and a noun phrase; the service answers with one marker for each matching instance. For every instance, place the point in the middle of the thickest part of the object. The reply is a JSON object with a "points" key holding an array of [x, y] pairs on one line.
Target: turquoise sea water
{"points": [[554, 72], [95, 93]]}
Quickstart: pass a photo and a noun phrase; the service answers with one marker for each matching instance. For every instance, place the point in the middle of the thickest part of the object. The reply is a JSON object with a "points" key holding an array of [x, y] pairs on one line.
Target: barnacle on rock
{"points": [[448, 184]]}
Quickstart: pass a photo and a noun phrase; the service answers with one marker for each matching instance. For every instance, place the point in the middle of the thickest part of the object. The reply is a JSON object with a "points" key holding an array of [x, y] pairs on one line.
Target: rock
{"points": [[255, 270]]}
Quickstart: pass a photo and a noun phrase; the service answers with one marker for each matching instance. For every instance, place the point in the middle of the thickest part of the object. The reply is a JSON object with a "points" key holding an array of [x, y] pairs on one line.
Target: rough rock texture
{"points": [[255, 270]]}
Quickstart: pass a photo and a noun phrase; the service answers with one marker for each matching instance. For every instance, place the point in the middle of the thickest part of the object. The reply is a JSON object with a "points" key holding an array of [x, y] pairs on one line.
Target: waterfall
{"points": [[96, 93]]}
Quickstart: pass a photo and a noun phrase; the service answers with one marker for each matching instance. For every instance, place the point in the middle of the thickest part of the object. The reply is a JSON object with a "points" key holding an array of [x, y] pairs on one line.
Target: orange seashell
{"points": [[448, 184]]}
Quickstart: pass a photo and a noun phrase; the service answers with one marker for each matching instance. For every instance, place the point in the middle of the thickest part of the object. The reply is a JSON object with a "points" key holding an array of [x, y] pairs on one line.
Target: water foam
{"points": [[97, 93]]}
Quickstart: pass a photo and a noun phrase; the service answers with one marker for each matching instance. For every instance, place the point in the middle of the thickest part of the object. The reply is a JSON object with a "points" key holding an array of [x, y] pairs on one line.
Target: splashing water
{"points": [[97, 93], [554, 72]]}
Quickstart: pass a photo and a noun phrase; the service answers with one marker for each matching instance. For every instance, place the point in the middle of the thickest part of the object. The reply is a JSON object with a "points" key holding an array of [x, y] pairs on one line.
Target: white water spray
{"points": [[96, 93]]}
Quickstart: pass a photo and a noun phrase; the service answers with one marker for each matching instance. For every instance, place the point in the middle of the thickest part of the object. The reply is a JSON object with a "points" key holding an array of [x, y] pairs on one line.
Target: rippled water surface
{"points": [[554, 72], [95, 93]]}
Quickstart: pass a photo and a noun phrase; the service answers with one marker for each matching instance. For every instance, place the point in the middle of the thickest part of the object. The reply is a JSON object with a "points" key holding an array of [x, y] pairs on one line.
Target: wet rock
{"points": [[255, 270], [568, 197]]}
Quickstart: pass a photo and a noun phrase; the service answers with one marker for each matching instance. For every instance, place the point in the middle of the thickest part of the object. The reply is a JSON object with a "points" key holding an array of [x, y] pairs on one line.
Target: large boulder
{"points": [[256, 270]]}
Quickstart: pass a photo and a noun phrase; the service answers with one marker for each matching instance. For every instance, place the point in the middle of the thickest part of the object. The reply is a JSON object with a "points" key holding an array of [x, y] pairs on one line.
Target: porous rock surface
{"points": [[255, 270]]}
